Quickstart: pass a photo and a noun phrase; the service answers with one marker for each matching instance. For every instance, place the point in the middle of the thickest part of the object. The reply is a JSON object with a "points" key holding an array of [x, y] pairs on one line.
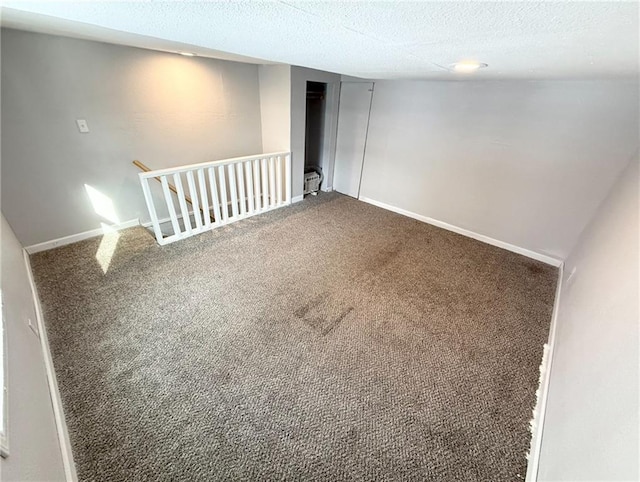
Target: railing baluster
{"points": [[256, 182], [287, 178], [249, 176], [272, 181], [224, 206], [205, 199], [233, 189], [186, 219], [172, 210], [215, 200], [265, 185], [241, 196], [146, 190], [279, 180], [195, 199]]}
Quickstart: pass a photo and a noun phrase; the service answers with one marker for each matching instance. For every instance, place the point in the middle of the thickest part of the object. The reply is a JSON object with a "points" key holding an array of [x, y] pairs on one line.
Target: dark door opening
{"points": [[314, 136]]}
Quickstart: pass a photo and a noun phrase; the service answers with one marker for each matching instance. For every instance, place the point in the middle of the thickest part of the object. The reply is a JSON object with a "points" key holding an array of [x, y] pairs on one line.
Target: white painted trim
{"points": [[297, 199], [74, 238], [543, 389], [203, 165], [149, 224], [465, 232], [4, 387], [56, 402]]}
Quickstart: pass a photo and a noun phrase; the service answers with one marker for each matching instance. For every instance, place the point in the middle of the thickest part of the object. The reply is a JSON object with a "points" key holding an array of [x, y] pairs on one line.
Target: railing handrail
{"points": [[222, 162]]}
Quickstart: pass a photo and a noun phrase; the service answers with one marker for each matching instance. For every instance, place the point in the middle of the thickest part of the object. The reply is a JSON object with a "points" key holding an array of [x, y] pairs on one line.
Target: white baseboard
{"points": [[297, 199], [537, 423], [465, 232], [149, 224], [74, 238], [56, 401]]}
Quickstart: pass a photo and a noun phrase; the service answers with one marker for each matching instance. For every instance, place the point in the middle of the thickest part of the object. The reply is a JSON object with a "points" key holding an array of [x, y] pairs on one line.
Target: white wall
{"points": [[526, 163], [275, 107], [591, 425], [33, 441], [162, 109], [299, 78]]}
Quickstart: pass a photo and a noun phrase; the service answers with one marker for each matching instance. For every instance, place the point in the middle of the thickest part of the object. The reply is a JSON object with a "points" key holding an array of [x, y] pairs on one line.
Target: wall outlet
{"points": [[83, 127]]}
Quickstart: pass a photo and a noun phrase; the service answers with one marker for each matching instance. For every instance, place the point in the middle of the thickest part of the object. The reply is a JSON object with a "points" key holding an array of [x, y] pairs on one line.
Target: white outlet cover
{"points": [[83, 127]]}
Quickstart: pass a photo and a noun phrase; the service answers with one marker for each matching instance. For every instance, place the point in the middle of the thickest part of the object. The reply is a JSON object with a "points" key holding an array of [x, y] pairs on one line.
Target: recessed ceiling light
{"points": [[187, 54], [468, 66]]}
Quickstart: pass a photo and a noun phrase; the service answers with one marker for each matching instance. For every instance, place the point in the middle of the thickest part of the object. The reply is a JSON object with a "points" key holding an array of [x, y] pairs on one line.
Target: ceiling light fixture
{"points": [[468, 66], [187, 54]]}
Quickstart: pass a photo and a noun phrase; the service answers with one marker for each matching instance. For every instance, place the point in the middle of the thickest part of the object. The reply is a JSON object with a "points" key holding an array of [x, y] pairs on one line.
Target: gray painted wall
{"points": [[299, 78], [525, 163], [33, 441], [162, 109], [275, 107], [591, 424]]}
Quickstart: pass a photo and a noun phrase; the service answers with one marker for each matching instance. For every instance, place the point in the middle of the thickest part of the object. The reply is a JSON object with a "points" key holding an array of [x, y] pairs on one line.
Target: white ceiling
{"points": [[524, 40]]}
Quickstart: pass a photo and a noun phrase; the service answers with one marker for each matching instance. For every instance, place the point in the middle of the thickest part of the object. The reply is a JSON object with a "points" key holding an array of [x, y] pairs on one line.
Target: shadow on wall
{"points": [[103, 206]]}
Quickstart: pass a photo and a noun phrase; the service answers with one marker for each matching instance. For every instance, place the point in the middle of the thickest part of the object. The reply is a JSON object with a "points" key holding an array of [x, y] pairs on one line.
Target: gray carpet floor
{"points": [[327, 341]]}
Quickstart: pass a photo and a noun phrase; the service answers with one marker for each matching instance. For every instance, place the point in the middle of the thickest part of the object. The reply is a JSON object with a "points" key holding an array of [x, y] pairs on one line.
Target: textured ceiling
{"points": [[526, 40]]}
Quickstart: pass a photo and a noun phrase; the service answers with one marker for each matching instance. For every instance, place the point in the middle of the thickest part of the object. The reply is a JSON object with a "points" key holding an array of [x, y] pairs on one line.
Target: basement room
{"points": [[320, 241]]}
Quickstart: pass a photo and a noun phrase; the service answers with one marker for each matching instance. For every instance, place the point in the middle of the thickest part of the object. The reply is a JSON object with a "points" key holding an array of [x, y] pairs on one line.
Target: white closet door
{"points": [[353, 122]]}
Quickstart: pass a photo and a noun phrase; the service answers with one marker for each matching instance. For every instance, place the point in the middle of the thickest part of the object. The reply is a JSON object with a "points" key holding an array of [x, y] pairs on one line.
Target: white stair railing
{"points": [[220, 192]]}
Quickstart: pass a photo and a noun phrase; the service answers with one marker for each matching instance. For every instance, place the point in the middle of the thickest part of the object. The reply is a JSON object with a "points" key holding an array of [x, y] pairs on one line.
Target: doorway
{"points": [[314, 136]]}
